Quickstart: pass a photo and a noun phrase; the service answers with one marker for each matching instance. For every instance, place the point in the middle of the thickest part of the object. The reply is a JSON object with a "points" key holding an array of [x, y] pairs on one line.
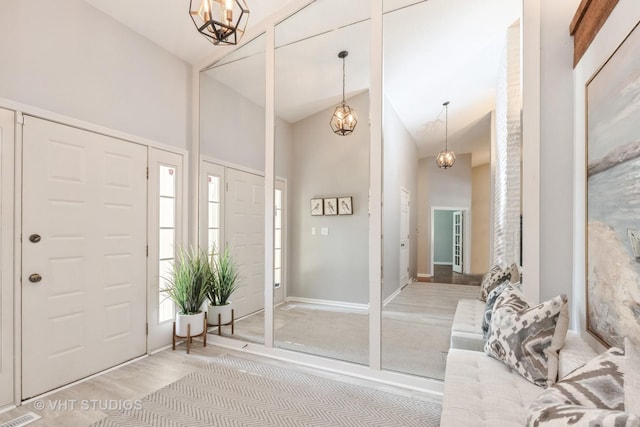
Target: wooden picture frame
{"points": [[317, 207], [345, 206], [331, 206]]}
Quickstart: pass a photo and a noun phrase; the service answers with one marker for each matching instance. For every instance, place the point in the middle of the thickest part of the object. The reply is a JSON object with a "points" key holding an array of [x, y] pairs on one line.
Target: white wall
{"points": [[400, 170], [441, 188], [333, 267], [69, 58], [556, 149], [231, 126]]}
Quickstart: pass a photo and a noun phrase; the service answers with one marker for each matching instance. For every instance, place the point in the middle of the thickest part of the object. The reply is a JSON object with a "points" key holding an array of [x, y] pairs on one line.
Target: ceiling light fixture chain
{"points": [[344, 119]]}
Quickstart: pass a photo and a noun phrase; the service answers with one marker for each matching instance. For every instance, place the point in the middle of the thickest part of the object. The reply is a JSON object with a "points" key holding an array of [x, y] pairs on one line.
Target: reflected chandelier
{"points": [[344, 119], [220, 21], [446, 158]]}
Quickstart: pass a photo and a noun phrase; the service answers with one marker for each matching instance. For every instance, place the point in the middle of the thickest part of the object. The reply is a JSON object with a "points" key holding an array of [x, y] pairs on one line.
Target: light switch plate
{"points": [[313, 231], [324, 231]]}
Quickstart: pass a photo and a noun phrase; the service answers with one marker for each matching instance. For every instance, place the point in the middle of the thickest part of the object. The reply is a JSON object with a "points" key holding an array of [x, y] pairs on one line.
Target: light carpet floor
{"points": [[416, 329], [237, 392]]}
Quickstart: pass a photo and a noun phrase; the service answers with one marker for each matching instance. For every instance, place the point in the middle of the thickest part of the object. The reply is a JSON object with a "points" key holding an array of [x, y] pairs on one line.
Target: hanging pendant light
{"points": [[220, 21], [446, 158], [344, 119]]}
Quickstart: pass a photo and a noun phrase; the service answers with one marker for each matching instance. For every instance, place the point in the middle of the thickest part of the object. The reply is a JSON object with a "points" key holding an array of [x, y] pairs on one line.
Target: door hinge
{"points": [[226, 186], [147, 172], [147, 251], [147, 328]]}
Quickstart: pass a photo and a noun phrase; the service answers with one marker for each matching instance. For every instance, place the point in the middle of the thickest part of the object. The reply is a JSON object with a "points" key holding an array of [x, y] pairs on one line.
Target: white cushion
{"points": [[482, 391], [466, 329], [632, 378], [574, 354]]}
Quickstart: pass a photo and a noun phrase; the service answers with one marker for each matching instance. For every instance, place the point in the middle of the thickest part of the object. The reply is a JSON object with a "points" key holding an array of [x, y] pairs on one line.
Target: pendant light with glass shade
{"points": [[220, 21], [446, 158], [344, 119]]}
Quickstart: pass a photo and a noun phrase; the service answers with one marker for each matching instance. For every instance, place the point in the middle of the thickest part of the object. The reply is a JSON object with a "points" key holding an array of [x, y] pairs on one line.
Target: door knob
{"points": [[35, 278], [34, 238]]}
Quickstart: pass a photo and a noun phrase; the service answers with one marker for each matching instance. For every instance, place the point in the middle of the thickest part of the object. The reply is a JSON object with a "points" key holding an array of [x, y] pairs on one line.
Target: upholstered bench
{"points": [[482, 391], [466, 329]]}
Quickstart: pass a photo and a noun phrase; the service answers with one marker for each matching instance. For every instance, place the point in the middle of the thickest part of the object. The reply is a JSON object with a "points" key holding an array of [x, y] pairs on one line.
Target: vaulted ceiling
{"points": [[434, 51]]}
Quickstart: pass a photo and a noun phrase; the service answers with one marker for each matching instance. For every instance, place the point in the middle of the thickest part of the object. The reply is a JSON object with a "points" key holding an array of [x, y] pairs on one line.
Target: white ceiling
{"points": [[434, 51]]}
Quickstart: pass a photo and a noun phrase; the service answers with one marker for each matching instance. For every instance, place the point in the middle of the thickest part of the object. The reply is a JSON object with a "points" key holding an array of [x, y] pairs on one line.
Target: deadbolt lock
{"points": [[35, 278], [34, 238]]}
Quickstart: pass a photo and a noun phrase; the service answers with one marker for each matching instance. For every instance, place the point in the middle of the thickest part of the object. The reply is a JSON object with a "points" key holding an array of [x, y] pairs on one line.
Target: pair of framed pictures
{"points": [[332, 206]]}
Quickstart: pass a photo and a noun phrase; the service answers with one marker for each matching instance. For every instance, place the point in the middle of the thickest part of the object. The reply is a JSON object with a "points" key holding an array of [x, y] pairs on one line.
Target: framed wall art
{"points": [[613, 196], [331, 206], [316, 207], [345, 206]]}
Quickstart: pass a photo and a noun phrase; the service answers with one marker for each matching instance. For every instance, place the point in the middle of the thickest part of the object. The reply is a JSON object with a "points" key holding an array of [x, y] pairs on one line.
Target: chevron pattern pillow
{"points": [[492, 279], [592, 395], [528, 339]]}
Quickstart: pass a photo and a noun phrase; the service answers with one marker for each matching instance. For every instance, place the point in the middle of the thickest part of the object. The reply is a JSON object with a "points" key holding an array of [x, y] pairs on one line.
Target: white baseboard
{"points": [[392, 296], [331, 303], [442, 263], [426, 275]]}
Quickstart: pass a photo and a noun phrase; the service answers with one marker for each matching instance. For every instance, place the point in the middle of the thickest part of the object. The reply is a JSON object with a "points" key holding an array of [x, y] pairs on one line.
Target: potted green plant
{"points": [[224, 281], [187, 287]]}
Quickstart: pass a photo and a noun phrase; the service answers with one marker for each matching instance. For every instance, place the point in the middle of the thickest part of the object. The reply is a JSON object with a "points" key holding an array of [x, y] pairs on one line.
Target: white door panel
{"points": [[6, 258], [244, 219], [167, 212], [458, 235], [85, 195]]}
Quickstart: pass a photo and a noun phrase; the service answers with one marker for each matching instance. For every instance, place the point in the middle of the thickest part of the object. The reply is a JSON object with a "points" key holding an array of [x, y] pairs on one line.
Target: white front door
{"points": [[83, 254], [458, 228], [404, 236], [244, 234]]}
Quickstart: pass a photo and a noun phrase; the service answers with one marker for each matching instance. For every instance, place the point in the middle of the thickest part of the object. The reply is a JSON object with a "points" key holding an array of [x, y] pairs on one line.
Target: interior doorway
{"points": [[450, 239]]}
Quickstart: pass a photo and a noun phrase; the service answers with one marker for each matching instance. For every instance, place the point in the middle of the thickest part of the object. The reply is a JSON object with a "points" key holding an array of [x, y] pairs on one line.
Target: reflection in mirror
{"points": [[438, 224], [231, 200], [321, 255]]}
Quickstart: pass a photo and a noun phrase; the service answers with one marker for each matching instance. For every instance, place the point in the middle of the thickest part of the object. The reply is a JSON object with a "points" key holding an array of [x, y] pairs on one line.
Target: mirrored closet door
{"points": [[322, 181]]}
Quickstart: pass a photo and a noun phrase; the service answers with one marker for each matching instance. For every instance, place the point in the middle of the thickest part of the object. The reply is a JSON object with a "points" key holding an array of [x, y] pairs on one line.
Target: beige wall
{"points": [[480, 218]]}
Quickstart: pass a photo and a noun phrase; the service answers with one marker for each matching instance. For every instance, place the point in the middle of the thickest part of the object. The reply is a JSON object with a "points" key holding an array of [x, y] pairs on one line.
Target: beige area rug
{"points": [[416, 329], [237, 392]]}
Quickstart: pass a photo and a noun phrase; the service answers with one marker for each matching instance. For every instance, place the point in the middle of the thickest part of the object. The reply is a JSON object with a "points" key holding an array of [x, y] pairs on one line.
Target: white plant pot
{"points": [[195, 320], [224, 310]]}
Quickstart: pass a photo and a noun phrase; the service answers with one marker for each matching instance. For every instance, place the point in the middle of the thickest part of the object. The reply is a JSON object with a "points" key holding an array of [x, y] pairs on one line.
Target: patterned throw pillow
{"points": [[592, 395], [488, 308], [515, 273], [632, 378], [492, 279], [528, 339]]}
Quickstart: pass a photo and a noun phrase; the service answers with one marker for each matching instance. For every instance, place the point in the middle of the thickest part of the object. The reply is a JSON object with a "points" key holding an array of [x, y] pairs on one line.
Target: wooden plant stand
{"points": [[232, 323], [189, 337]]}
